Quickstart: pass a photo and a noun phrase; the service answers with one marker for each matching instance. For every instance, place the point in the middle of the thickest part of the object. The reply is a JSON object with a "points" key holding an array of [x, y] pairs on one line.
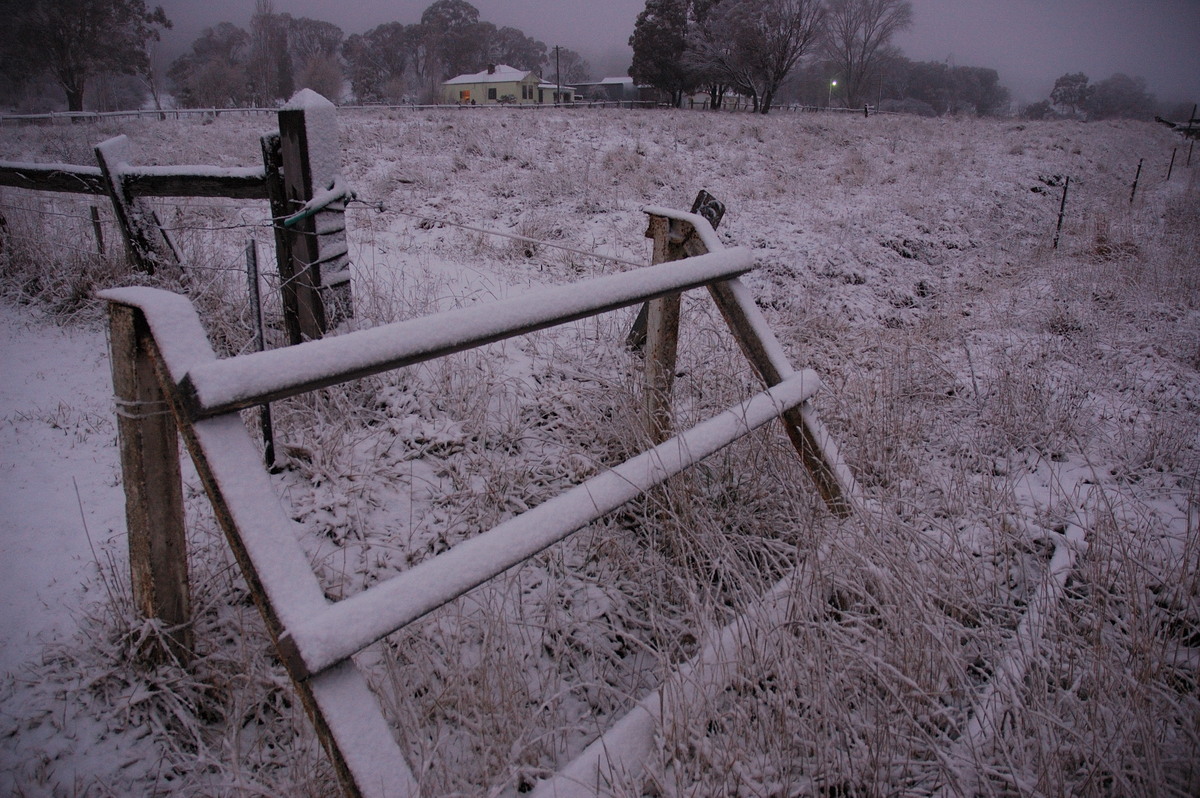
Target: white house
{"points": [[500, 83]]}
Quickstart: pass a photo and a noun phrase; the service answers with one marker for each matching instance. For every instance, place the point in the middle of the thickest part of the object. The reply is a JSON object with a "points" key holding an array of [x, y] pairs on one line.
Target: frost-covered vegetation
{"points": [[1024, 418]]}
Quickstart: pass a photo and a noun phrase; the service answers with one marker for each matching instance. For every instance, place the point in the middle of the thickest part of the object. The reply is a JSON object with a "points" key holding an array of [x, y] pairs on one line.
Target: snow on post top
{"points": [[306, 100], [321, 135]]}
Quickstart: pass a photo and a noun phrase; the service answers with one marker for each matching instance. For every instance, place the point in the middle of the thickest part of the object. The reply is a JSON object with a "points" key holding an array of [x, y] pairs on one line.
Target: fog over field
{"points": [[1030, 42], [1015, 610]]}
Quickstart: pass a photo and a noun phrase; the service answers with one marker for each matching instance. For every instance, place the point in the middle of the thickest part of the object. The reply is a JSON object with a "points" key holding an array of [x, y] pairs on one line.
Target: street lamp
{"points": [[829, 99]]}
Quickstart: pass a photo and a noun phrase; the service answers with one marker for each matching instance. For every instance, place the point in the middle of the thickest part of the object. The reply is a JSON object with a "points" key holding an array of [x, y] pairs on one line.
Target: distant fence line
{"points": [[64, 117], [56, 117]]}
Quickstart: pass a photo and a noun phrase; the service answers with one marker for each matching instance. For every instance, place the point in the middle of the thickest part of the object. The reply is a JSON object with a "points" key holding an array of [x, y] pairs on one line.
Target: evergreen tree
{"points": [[1120, 96], [1071, 91], [659, 40], [76, 40]]}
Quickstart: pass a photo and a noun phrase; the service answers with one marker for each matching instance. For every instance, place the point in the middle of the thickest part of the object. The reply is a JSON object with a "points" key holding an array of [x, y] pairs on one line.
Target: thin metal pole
{"points": [[1061, 209], [1171, 168], [259, 345], [1133, 192]]}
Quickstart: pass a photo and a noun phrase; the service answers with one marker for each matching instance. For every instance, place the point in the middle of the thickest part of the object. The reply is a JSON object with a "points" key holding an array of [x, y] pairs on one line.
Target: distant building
{"points": [[608, 90], [500, 83]]}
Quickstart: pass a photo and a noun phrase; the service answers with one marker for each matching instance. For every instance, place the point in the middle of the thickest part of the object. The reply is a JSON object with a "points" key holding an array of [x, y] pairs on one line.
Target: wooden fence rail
{"points": [[299, 177], [144, 181], [316, 639]]}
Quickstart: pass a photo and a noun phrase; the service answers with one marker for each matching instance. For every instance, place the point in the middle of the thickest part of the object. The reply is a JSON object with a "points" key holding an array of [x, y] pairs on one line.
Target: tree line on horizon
{"points": [[392, 62], [819, 52], [815, 52], [1075, 97], [107, 47]]}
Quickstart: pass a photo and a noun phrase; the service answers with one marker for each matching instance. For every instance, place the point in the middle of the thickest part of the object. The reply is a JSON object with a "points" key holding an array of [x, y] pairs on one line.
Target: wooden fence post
{"points": [[153, 486], [662, 337], [288, 293], [808, 435], [656, 329], [147, 245], [315, 224]]}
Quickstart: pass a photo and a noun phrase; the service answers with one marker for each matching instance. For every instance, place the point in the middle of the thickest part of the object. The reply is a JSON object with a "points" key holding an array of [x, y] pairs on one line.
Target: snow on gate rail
{"points": [[316, 638]]}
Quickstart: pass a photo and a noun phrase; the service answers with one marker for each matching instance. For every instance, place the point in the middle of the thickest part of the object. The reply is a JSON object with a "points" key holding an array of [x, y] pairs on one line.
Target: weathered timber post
{"points": [[315, 206], [808, 435], [662, 337], [1171, 167], [289, 298], [153, 485], [657, 325], [147, 245], [711, 209]]}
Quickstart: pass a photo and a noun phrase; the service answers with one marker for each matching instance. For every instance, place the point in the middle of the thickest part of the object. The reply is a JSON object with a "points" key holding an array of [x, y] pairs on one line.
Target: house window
{"points": [[491, 94]]}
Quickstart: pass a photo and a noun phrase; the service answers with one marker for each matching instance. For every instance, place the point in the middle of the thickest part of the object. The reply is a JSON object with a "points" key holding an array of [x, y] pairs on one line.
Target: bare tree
{"points": [[270, 63], [857, 35], [214, 73], [568, 67], [754, 44]]}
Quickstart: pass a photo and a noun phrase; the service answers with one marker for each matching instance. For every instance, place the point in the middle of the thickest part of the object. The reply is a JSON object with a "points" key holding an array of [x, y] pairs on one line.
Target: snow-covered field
{"points": [[1020, 614]]}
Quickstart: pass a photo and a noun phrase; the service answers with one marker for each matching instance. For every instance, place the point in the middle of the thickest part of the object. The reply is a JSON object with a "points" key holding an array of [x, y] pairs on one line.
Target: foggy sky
{"points": [[1030, 42]]}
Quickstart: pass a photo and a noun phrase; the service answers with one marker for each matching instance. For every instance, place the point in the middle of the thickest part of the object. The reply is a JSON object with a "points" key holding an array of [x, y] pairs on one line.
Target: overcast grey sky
{"points": [[1030, 42]]}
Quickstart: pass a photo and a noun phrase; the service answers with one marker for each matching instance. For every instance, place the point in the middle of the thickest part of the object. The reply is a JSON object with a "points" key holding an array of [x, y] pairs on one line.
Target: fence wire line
{"points": [[278, 223], [45, 212], [380, 208], [36, 242], [1111, 195]]}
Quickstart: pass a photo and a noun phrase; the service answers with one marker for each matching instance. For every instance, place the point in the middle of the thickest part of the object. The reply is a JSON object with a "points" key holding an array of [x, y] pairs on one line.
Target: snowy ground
{"points": [[1026, 418]]}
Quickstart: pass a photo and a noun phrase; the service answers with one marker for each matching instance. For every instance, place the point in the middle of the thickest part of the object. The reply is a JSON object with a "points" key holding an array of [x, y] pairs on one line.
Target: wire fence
{"points": [[73, 117], [78, 238], [76, 117]]}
